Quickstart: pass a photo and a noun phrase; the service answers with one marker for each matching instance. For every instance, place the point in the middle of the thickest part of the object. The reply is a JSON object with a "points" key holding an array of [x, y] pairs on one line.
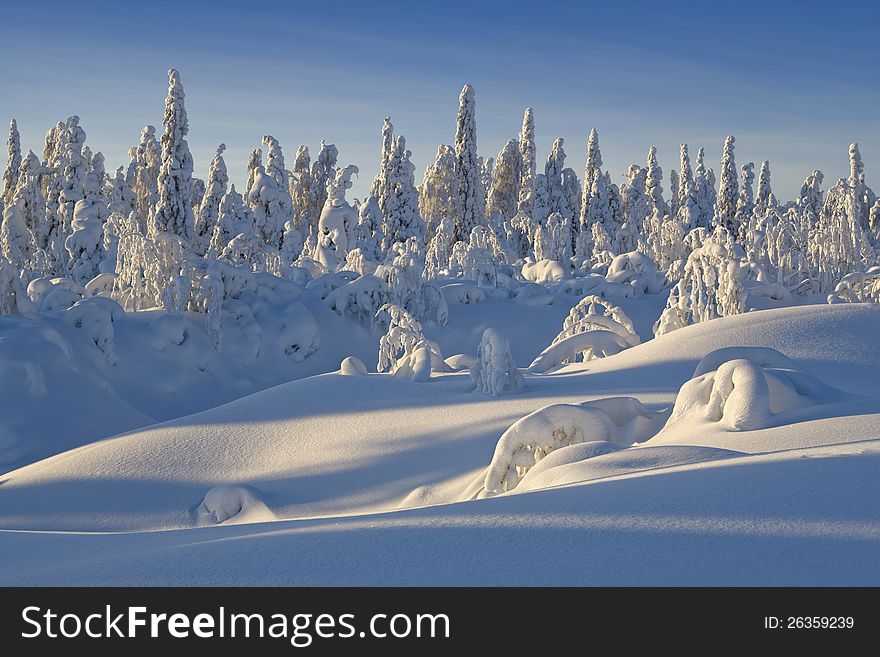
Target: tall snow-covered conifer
{"points": [[173, 212], [728, 189], [209, 209], [504, 192], [13, 163], [467, 166], [528, 153], [438, 197]]}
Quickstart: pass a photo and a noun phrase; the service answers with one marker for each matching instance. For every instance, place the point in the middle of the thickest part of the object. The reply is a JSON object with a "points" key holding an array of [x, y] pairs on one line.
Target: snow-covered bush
{"points": [[621, 421], [403, 351], [495, 372], [594, 328], [858, 287], [636, 270], [360, 299]]}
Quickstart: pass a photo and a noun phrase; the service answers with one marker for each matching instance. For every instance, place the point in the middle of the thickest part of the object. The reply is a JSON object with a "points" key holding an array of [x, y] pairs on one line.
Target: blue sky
{"points": [[795, 85]]}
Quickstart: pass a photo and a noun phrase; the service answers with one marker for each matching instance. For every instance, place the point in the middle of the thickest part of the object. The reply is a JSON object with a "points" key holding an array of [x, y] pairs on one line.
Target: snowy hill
{"points": [[759, 492]]}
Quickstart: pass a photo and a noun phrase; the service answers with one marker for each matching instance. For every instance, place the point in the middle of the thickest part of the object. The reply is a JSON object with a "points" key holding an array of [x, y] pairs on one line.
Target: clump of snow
{"points": [[544, 272], [460, 362], [232, 504], [494, 371], [352, 366], [96, 315], [621, 421], [298, 337]]}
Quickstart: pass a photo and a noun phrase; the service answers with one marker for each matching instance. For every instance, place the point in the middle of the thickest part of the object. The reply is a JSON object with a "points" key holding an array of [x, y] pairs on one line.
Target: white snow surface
{"points": [[369, 480]]}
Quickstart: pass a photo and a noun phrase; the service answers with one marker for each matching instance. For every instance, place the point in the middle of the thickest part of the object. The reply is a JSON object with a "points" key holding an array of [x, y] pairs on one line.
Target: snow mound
{"points": [[747, 388], [590, 462], [567, 455], [352, 366], [621, 421], [232, 504]]}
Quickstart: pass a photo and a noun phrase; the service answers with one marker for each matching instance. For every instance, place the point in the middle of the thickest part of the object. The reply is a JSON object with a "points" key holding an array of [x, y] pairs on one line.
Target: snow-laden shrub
{"points": [[594, 328], [463, 293], [858, 287], [360, 299], [747, 388], [621, 421], [637, 270], [96, 316], [358, 262], [13, 297], [495, 372], [54, 293], [403, 351], [711, 286]]}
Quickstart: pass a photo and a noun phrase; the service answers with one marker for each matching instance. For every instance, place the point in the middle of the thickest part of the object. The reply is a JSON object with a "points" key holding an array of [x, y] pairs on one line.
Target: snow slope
{"points": [[334, 456]]}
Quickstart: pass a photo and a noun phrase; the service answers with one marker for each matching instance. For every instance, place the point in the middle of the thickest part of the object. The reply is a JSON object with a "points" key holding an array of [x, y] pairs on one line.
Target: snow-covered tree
{"points": [[16, 241], [863, 196], [336, 228], [198, 193], [85, 244], [728, 190], [593, 166], [528, 154], [368, 234], [380, 188], [810, 198], [704, 193], [13, 163], [636, 207], [209, 209], [839, 245], [28, 196], [233, 218], [401, 220], [654, 184], [173, 212], [487, 169], [254, 160], [553, 177], [571, 192], [745, 204], [467, 166], [674, 186], [504, 193], [143, 174], [710, 287], [438, 196], [65, 188], [323, 170], [764, 199], [301, 188]]}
